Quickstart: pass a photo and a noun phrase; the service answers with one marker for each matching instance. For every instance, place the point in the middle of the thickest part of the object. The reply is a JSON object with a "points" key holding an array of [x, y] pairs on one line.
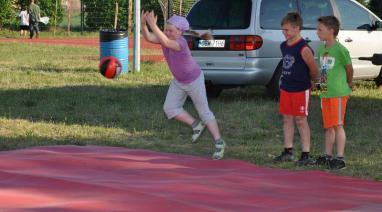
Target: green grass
{"points": [[54, 95]]}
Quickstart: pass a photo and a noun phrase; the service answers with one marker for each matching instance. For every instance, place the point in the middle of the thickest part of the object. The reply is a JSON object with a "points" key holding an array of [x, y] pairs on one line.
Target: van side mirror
{"points": [[376, 59], [378, 25]]}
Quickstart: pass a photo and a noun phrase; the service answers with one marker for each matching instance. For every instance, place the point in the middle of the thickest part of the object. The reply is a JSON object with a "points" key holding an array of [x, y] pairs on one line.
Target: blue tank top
{"points": [[295, 73]]}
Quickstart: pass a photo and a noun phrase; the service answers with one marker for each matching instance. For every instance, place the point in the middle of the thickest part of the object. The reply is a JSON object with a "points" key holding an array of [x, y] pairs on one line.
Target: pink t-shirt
{"points": [[183, 67]]}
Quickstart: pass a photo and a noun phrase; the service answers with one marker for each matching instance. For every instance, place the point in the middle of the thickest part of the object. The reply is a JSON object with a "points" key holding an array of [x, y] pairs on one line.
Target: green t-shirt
{"points": [[332, 62], [34, 13]]}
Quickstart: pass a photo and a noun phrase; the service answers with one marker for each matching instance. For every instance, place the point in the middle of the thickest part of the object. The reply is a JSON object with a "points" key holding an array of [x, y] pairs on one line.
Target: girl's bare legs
{"points": [[185, 118], [213, 128]]}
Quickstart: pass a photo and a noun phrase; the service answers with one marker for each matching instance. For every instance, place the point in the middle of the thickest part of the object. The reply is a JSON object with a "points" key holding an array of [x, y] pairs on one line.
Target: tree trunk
{"points": [[130, 19]]}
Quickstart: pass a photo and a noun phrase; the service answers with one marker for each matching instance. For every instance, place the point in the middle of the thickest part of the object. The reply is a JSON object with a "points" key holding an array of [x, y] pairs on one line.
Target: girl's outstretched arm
{"points": [[162, 38], [147, 35]]}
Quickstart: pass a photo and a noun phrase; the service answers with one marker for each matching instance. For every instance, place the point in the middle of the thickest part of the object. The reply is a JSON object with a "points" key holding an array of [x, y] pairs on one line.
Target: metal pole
{"points": [[137, 35], [82, 17]]}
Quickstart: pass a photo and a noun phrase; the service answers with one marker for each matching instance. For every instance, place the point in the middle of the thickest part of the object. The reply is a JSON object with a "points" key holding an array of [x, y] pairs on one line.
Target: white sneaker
{"points": [[219, 150], [197, 131]]}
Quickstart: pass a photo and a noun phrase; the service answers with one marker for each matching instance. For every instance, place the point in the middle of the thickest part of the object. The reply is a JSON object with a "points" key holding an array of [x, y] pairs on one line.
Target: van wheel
{"points": [[273, 87], [378, 79], [213, 91]]}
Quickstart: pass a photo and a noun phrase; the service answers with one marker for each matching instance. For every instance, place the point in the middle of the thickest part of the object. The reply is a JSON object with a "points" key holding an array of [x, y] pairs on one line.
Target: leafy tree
{"points": [[100, 13], [7, 13], [376, 7], [364, 2]]}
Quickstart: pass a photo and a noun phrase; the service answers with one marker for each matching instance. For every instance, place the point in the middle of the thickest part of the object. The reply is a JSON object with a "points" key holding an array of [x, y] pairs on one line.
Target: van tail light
{"points": [[245, 42], [189, 42]]}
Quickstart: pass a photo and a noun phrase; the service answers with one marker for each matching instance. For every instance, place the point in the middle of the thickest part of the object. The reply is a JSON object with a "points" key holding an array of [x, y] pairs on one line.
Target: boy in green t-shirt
{"points": [[336, 83]]}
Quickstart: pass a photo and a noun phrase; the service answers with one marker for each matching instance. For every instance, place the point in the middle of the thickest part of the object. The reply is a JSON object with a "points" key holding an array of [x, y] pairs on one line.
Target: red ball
{"points": [[110, 67]]}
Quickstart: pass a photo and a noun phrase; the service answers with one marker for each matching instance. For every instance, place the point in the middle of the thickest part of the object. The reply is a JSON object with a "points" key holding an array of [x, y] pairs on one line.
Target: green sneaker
{"points": [[219, 149], [197, 131]]}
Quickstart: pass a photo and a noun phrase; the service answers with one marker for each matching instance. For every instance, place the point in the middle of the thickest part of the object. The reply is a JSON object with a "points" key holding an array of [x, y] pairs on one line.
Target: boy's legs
{"points": [[288, 130], [333, 113], [341, 140], [304, 130], [330, 139], [294, 108]]}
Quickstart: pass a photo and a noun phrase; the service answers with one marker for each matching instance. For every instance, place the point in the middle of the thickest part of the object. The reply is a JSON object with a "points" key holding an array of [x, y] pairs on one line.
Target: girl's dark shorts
{"points": [[24, 27]]}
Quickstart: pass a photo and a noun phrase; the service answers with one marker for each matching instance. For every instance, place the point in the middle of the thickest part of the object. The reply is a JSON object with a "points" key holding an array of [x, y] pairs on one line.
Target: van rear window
{"points": [[273, 11], [220, 14]]}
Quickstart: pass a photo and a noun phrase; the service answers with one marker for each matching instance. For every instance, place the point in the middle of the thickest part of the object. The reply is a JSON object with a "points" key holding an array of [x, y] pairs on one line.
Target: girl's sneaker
{"points": [[197, 131], [219, 149]]}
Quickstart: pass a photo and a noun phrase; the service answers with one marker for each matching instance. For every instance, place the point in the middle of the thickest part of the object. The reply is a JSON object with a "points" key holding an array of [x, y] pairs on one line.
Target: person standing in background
{"points": [[34, 18], [24, 21]]}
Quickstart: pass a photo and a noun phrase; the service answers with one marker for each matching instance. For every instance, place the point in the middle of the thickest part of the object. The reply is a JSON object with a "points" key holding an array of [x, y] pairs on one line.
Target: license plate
{"points": [[211, 43]]}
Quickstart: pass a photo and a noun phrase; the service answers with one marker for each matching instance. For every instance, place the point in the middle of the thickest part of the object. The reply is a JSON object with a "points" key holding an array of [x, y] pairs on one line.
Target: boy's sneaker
{"points": [[284, 157], [323, 160], [337, 164], [197, 131], [219, 149], [305, 160]]}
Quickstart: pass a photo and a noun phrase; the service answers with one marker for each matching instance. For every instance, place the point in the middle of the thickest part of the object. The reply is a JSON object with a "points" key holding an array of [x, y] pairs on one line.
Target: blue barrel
{"points": [[115, 43]]}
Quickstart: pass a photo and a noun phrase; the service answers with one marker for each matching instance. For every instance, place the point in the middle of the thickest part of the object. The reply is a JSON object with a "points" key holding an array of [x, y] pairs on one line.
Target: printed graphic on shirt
{"points": [[327, 63], [288, 62]]}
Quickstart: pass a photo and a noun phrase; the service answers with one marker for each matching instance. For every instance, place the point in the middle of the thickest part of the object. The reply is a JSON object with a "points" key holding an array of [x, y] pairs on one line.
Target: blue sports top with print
{"points": [[295, 72]]}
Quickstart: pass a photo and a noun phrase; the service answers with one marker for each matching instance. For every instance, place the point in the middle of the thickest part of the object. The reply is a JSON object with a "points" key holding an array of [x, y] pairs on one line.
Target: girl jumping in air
{"points": [[188, 78]]}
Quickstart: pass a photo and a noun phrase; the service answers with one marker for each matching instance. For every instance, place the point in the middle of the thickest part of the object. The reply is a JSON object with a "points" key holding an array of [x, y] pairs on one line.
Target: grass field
{"points": [[54, 95]]}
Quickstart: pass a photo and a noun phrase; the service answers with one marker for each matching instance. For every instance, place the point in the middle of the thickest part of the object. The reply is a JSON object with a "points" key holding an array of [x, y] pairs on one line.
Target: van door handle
{"points": [[348, 40], [308, 40]]}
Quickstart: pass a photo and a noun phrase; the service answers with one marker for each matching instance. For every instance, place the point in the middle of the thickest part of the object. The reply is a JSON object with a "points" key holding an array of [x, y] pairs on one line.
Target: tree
{"points": [[364, 2], [7, 13], [376, 7]]}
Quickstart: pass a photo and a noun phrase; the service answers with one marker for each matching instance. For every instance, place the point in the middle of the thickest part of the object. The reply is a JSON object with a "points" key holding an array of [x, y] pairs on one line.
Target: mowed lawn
{"points": [[53, 95]]}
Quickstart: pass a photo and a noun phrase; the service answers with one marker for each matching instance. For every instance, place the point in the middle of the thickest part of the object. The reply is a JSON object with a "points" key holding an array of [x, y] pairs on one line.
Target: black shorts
{"points": [[24, 27]]}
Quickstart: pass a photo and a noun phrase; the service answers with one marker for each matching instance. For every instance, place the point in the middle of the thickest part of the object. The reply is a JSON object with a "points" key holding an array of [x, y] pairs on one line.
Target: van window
{"points": [[353, 17], [311, 10], [220, 14], [273, 11]]}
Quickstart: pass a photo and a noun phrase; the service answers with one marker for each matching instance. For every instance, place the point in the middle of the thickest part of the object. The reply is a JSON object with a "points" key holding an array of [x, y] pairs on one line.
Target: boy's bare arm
{"points": [[349, 75], [162, 38], [308, 58], [147, 35]]}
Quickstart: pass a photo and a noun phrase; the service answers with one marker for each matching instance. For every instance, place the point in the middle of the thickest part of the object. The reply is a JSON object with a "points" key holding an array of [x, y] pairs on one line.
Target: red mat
{"points": [[93, 178]]}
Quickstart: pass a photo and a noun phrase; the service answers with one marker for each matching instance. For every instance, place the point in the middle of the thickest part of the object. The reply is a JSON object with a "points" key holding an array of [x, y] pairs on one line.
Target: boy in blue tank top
{"points": [[298, 71]]}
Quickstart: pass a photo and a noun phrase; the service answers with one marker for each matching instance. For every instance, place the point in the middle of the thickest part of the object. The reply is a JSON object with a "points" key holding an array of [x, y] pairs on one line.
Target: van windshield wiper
{"points": [[203, 26], [308, 27]]}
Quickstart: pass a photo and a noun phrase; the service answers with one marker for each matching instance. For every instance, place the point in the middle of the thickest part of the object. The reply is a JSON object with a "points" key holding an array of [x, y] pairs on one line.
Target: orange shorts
{"points": [[333, 111], [294, 103]]}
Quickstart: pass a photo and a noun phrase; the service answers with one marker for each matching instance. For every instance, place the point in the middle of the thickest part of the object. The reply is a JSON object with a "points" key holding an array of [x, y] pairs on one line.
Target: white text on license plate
{"points": [[211, 43]]}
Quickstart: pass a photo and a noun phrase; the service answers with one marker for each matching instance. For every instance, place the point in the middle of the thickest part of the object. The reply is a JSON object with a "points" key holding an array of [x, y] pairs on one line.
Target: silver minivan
{"points": [[247, 37]]}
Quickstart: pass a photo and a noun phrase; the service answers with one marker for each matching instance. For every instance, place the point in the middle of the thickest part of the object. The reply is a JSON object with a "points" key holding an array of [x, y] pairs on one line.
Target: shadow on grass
{"points": [[89, 105]]}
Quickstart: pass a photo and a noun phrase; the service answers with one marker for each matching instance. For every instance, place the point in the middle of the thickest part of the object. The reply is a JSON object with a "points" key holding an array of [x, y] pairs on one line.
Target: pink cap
{"points": [[179, 22]]}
